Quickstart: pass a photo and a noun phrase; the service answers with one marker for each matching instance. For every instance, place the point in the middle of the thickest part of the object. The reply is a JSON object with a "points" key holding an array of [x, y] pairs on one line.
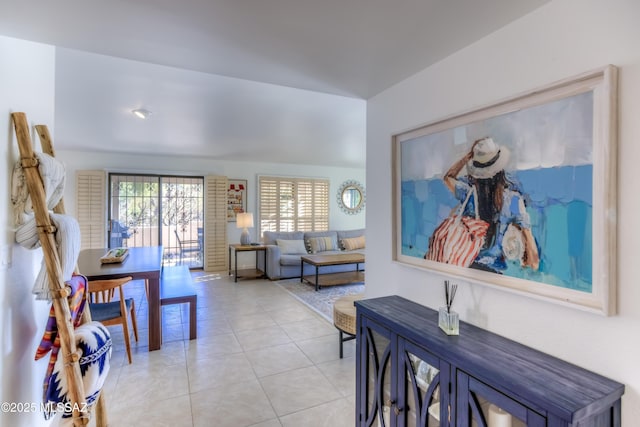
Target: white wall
{"points": [[563, 38], [26, 85]]}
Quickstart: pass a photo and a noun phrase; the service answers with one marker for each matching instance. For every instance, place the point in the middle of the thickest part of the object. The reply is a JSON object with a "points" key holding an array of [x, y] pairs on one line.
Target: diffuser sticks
{"points": [[450, 294], [447, 319]]}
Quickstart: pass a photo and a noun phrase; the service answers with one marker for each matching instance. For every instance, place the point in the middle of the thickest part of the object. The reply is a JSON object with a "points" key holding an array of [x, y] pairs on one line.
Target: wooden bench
{"points": [[176, 287]]}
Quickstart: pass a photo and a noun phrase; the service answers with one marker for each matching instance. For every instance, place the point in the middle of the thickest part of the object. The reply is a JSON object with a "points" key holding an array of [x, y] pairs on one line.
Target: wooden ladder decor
{"points": [[59, 292], [47, 147]]}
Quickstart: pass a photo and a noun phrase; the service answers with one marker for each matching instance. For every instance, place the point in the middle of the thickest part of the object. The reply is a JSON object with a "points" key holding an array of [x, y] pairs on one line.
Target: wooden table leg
{"points": [[155, 323], [266, 274]]}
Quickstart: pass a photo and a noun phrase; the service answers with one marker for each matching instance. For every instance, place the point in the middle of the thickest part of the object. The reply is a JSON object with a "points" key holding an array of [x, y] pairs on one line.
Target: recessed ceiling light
{"points": [[141, 113]]}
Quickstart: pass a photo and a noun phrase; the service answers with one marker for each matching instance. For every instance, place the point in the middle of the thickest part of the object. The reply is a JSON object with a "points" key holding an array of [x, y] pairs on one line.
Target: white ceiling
{"points": [[170, 57]]}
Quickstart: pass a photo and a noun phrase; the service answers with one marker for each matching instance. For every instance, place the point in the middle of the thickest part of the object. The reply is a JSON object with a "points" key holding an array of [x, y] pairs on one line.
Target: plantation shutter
{"points": [[91, 211], [312, 204], [215, 229], [268, 204], [293, 204]]}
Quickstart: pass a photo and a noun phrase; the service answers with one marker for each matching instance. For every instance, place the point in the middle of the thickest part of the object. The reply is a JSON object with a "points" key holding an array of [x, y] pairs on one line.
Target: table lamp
{"points": [[244, 221]]}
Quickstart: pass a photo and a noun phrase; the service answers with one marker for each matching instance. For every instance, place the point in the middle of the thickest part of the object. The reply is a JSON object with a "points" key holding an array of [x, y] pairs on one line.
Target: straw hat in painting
{"points": [[488, 159]]}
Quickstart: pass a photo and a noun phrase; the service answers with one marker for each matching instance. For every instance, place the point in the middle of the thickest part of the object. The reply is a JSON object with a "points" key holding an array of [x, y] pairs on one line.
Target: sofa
{"points": [[285, 249]]}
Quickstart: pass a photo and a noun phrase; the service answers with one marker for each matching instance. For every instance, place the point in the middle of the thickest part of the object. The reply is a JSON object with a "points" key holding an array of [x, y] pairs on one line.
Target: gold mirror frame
{"points": [[351, 197]]}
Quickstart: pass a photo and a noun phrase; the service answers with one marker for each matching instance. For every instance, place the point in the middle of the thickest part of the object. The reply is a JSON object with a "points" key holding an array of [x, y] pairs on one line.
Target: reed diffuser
{"points": [[448, 319]]}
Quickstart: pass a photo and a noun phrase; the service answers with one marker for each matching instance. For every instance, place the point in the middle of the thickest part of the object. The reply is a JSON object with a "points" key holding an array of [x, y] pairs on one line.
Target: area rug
{"points": [[321, 301]]}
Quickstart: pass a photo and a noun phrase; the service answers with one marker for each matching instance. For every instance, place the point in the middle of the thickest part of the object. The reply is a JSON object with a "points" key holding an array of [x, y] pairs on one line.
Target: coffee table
{"points": [[331, 279]]}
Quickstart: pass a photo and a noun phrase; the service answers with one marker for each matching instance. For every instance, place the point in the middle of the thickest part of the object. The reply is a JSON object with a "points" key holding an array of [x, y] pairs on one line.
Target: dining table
{"points": [[141, 263]]}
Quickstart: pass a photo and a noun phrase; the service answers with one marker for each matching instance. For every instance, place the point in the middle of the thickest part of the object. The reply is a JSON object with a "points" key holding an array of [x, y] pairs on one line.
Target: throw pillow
{"points": [[352, 243], [322, 244], [291, 247]]}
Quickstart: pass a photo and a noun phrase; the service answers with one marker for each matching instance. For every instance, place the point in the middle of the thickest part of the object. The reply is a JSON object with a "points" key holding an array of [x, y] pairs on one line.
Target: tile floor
{"points": [[261, 359]]}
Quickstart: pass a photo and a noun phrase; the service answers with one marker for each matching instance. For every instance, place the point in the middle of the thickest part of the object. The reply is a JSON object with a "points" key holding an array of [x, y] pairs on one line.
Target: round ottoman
{"points": [[344, 317]]}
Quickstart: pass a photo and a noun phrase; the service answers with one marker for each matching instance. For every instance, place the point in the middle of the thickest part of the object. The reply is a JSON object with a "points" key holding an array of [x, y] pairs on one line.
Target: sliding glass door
{"points": [[151, 210]]}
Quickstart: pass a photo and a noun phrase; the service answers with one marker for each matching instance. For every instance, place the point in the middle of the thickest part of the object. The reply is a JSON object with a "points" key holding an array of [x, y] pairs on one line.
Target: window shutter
{"points": [[91, 208], [268, 209], [320, 205], [293, 204], [215, 229], [305, 206], [287, 205]]}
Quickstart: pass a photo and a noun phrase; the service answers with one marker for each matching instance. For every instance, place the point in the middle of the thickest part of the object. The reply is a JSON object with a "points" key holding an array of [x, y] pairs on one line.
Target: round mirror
{"points": [[351, 197]]}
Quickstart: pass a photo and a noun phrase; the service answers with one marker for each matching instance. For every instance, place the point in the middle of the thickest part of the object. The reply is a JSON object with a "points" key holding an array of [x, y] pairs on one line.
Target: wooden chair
{"points": [[188, 246], [110, 312]]}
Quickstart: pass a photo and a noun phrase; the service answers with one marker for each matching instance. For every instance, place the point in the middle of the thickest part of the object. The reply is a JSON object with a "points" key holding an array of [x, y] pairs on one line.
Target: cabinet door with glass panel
{"points": [[374, 393], [424, 383], [401, 384], [482, 406]]}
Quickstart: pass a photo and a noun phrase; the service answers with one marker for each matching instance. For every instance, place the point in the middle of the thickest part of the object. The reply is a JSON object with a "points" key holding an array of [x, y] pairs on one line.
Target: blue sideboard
{"points": [[410, 373]]}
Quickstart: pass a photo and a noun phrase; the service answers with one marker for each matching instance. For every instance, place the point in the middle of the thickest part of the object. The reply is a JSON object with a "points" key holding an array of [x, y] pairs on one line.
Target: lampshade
{"points": [[244, 220]]}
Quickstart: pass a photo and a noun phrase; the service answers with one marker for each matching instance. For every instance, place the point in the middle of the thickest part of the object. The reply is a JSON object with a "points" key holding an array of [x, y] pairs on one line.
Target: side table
{"points": [[344, 317], [247, 273]]}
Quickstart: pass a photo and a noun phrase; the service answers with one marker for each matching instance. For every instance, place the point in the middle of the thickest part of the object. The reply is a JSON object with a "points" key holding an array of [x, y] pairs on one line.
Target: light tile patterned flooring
{"points": [[261, 358]]}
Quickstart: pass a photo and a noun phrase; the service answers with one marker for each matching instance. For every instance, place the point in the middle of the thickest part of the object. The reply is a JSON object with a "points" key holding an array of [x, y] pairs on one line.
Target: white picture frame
{"points": [[584, 108]]}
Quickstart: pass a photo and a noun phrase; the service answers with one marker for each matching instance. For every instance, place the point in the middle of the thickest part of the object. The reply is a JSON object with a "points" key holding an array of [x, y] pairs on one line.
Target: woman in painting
{"points": [[499, 203]]}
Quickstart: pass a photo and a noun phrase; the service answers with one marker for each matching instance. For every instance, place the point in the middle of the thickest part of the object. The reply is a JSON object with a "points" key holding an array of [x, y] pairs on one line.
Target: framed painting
{"points": [[236, 198], [518, 195]]}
